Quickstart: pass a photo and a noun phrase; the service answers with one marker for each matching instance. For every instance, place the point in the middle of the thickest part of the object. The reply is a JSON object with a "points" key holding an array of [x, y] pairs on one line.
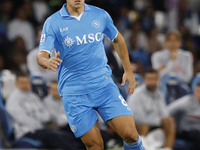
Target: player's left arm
{"points": [[120, 46]]}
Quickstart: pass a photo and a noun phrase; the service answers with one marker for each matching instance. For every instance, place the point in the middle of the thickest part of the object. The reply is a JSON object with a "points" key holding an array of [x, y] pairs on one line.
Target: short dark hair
{"points": [[173, 32], [21, 74], [151, 70]]}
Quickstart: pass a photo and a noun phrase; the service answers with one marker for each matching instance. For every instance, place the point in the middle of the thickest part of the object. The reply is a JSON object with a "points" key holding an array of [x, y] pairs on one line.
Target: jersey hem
{"points": [[115, 36], [45, 51]]}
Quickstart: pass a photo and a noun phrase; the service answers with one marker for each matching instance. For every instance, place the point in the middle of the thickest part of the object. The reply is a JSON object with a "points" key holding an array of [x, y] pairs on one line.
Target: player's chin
{"points": [[78, 5]]}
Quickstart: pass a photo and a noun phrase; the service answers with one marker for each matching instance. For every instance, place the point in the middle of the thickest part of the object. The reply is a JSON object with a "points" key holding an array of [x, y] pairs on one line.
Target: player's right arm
{"points": [[48, 63], [46, 45]]}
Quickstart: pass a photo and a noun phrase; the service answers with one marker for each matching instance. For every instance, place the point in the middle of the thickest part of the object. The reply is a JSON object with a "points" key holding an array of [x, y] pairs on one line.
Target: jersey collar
{"points": [[65, 13]]}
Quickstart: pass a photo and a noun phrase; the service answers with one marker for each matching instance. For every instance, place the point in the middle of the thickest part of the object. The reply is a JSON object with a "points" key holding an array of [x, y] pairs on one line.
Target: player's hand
{"points": [[128, 76], [161, 68], [54, 62]]}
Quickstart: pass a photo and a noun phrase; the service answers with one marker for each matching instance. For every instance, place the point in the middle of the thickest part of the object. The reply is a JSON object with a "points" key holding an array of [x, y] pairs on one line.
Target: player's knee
{"points": [[130, 136], [95, 145]]}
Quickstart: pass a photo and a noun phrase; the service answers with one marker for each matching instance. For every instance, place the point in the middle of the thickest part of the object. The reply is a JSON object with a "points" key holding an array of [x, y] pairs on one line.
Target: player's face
{"points": [[151, 80], [53, 90], [197, 93], [76, 3], [173, 42], [23, 83]]}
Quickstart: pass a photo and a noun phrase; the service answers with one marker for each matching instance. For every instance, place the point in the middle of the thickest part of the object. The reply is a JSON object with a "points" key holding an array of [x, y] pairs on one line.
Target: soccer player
{"points": [[85, 85]]}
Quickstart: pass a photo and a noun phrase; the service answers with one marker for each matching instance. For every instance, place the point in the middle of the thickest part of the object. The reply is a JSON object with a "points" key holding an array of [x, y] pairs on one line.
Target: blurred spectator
{"points": [[185, 34], [140, 5], [33, 66], [54, 105], [25, 108], [171, 4], [173, 59], [148, 19], [183, 15], [186, 112], [4, 42], [197, 67], [6, 8], [19, 45], [18, 56], [19, 26], [154, 44], [41, 10], [8, 79], [1, 63], [29, 116], [28, 8], [194, 5], [148, 106], [123, 21], [140, 56], [142, 41]]}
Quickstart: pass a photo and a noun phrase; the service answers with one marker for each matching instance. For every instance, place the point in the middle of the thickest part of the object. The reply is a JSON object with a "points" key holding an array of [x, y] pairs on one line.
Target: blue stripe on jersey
{"points": [[84, 68]]}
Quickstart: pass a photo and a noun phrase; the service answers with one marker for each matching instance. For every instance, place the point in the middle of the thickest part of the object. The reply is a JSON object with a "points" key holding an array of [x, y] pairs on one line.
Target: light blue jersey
{"points": [[79, 41]]}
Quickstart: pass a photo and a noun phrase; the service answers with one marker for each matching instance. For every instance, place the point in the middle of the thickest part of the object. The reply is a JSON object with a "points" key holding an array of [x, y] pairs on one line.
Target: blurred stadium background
{"points": [[143, 23]]}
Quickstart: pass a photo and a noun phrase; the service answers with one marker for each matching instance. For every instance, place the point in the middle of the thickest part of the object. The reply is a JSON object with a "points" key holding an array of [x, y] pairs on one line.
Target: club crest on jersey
{"points": [[68, 41], [73, 128], [95, 23]]}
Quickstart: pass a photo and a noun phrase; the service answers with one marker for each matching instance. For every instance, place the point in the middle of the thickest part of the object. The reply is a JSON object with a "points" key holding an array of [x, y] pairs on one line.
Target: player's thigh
{"points": [[124, 126], [80, 113], [116, 113], [93, 139], [112, 104]]}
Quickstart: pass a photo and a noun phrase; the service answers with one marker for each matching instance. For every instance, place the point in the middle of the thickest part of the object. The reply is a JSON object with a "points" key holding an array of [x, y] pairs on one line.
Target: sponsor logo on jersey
{"points": [[85, 39], [63, 29], [68, 41]]}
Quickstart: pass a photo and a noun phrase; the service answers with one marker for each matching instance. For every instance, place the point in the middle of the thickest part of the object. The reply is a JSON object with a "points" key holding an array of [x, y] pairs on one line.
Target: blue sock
{"points": [[135, 145]]}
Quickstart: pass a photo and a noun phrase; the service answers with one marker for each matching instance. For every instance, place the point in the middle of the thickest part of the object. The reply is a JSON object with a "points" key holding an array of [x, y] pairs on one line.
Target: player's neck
{"points": [[75, 11]]}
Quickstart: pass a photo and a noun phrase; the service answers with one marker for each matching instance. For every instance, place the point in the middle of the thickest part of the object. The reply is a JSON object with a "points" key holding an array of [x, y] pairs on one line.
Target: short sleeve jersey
{"points": [[80, 43]]}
